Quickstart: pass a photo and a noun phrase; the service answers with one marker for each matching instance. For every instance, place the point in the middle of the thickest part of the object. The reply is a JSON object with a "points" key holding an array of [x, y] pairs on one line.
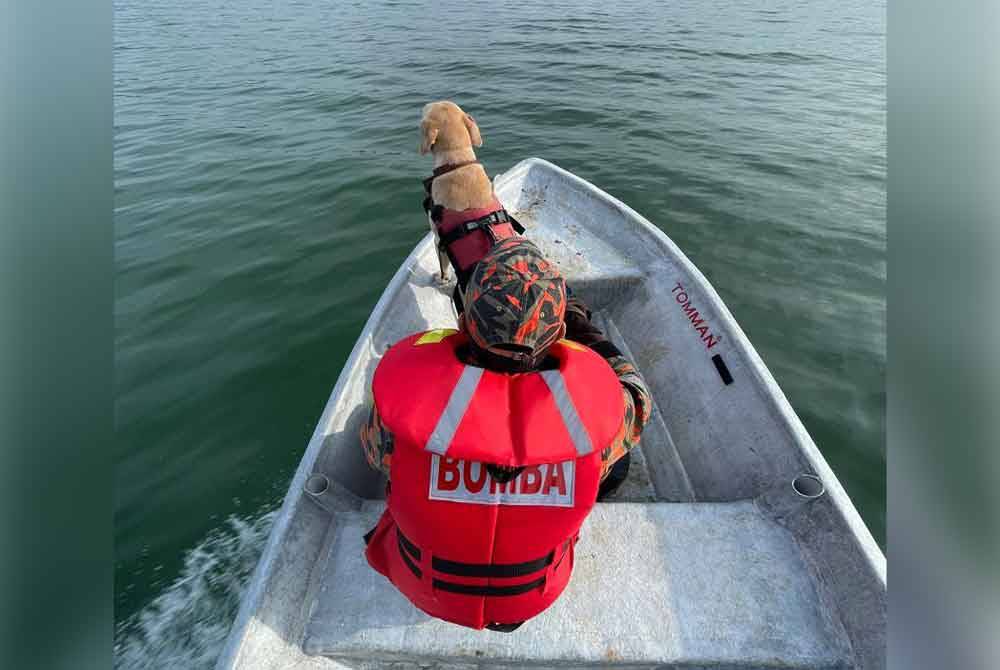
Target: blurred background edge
{"points": [[56, 346], [943, 103]]}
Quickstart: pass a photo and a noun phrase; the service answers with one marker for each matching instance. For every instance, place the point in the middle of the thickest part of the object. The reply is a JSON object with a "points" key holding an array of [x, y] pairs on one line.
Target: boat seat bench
{"points": [[658, 585]]}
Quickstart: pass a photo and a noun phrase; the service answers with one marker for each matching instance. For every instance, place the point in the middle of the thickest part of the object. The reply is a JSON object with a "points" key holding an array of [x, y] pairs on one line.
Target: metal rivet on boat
{"points": [[317, 484], [808, 486]]}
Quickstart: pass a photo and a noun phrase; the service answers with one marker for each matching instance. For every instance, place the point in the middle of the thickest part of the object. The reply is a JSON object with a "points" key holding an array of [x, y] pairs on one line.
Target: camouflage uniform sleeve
{"points": [[635, 393], [377, 442], [638, 405]]}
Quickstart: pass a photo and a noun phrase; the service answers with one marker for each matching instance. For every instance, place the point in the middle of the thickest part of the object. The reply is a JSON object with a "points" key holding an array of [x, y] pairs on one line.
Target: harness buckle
{"points": [[485, 223]]}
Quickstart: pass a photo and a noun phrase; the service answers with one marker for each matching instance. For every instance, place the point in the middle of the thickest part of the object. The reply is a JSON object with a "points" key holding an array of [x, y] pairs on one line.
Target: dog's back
{"points": [[449, 133]]}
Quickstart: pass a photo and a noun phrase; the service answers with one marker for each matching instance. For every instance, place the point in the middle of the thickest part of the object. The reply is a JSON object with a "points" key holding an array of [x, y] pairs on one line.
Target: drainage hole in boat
{"points": [[317, 484], [808, 486]]}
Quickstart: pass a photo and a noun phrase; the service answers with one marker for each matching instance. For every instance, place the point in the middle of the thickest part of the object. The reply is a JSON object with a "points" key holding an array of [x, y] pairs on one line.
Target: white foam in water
{"points": [[185, 627]]}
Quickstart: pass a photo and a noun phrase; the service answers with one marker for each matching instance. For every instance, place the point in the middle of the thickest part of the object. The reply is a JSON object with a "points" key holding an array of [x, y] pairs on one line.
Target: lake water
{"points": [[268, 186]]}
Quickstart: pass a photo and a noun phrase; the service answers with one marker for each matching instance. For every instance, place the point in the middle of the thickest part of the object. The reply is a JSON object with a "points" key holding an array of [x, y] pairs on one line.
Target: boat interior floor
{"points": [[658, 585]]}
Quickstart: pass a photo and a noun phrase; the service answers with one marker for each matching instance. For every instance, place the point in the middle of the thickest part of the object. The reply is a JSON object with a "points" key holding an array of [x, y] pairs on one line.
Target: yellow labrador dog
{"points": [[462, 209]]}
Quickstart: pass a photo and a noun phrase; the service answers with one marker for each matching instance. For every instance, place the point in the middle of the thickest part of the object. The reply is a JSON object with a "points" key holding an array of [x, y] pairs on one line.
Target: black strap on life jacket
{"points": [[492, 569], [476, 590], [409, 551], [484, 223]]}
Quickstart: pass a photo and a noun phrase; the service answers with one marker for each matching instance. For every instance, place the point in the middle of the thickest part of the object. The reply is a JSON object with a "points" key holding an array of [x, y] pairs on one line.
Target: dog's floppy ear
{"points": [[474, 135], [429, 134]]}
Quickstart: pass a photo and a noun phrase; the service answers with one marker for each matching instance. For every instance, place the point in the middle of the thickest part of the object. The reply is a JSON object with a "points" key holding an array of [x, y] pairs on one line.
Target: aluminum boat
{"points": [[732, 545]]}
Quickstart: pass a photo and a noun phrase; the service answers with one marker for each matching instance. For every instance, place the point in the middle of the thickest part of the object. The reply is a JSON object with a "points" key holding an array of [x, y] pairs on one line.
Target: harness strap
{"points": [[436, 211], [483, 223], [445, 169]]}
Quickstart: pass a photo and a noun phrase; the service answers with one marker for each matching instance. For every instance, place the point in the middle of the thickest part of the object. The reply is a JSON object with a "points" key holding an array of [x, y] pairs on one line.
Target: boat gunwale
{"points": [[256, 588]]}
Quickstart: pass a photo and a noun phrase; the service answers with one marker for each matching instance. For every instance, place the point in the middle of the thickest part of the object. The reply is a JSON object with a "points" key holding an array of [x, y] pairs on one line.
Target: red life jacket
{"points": [[468, 235], [460, 545]]}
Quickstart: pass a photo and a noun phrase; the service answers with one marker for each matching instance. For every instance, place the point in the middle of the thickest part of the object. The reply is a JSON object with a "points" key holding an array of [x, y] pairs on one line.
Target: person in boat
{"points": [[497, 439]]}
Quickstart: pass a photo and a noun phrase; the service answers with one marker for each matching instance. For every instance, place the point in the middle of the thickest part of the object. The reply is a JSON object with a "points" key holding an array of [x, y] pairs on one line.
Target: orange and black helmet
{"points": [[515, 301]]}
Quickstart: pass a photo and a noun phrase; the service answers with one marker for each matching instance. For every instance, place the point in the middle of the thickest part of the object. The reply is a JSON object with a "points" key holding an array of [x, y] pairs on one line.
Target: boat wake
{"points": [[186, 626]]}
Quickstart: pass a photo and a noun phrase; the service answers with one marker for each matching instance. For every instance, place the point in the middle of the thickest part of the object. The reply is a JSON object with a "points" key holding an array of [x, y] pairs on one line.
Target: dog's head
{"points": [[445, 127]]}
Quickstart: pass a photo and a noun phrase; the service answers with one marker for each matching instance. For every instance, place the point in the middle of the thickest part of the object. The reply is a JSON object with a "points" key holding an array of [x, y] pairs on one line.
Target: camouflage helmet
{"points": [[515, 301]]}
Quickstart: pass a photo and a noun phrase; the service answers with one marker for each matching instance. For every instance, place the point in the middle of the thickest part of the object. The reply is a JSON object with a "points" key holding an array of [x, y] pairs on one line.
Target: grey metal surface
{"points": [[708, 443], [694, 584]]}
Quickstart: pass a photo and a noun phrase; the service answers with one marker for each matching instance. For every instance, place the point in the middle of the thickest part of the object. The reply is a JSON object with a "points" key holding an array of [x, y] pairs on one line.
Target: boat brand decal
{"points": [[697, 320], [549, 484]]}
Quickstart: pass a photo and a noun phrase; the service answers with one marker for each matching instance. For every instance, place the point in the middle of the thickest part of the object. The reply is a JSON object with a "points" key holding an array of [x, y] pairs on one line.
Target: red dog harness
{"points": [[463, 544], [467, 235]]}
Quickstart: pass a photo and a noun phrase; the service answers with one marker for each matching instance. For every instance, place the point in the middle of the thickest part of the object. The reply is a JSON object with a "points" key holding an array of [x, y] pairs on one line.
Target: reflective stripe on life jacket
{"points": [[453, 538]]}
